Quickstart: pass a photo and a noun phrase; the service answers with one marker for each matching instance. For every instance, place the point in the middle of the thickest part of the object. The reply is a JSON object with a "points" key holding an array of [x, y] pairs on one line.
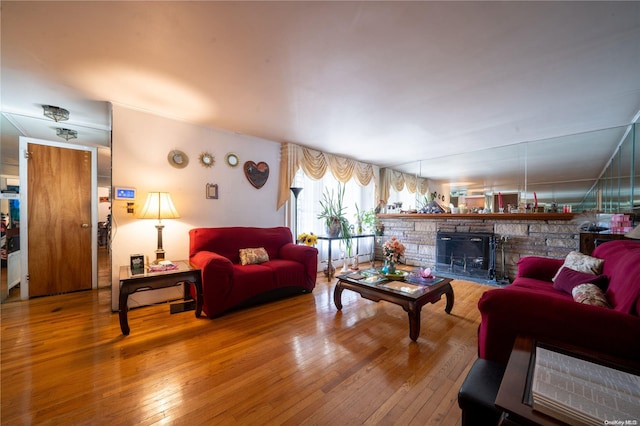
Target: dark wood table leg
{"points": [[124, 297], [198, 285], [414, 321], [337, 295], [450, 299]]}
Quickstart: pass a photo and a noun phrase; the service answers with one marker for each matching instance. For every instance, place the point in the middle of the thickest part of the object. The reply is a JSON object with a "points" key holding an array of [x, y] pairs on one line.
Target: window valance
{"points": [[398, 180], [315, 165]]}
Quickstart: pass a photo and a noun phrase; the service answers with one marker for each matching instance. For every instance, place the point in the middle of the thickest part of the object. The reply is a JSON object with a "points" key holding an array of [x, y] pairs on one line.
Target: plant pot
{"points": [[334, 228]]}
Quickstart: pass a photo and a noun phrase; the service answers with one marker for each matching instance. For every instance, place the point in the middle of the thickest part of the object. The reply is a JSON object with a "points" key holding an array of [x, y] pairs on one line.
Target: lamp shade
{"points": [[634, 233], [159, 206]]}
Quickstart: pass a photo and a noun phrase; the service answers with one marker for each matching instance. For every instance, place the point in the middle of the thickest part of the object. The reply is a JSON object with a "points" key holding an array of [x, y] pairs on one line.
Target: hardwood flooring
{"points": [[296, 361], [104, 277]]}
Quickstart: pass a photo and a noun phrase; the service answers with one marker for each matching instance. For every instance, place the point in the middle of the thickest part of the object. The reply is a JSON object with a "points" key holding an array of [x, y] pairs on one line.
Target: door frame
{"points": [[24, 213]]}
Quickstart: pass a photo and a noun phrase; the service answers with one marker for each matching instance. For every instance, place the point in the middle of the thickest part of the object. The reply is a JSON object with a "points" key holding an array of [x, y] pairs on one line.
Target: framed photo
{"points": [[137, 264], [212, 191]]}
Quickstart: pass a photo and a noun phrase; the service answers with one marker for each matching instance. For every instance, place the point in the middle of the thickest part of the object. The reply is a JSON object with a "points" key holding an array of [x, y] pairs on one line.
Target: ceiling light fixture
{"points": [[66, 134], [55, 113]]}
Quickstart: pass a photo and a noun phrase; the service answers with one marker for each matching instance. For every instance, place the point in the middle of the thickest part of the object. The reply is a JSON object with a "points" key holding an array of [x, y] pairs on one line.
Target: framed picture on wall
{"points": [[212, 191]]}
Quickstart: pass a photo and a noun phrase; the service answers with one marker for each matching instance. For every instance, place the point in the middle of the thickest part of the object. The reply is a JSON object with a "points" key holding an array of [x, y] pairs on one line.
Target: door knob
{"points": [[85, 225]]}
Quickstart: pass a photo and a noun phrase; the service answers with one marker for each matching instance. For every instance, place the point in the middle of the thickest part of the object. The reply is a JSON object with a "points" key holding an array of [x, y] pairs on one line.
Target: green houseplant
{"points": [[333, 214], [369, 220]]}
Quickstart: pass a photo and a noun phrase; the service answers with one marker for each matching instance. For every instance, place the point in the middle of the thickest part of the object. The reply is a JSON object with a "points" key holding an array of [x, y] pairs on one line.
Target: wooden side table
{"points": [[588, 240], [514, 395], [130, 283]]}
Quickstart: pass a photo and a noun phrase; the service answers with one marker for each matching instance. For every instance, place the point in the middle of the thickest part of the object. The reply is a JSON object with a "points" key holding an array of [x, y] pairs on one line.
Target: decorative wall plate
{"points": [[232, 159], [257, 174], [178, 159], [207, 159]]}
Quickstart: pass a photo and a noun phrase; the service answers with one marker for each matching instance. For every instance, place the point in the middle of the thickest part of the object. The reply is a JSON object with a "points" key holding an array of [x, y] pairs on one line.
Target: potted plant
{"points": [[370, 220], [332, 211], [367, 220]]}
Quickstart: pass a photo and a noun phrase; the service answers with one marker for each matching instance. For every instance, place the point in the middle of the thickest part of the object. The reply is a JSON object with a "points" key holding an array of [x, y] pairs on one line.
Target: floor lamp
{"points": [[296, 190]]}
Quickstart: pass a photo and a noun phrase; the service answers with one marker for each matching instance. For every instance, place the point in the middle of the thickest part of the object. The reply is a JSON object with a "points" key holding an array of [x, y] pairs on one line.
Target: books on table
{"points": [[580, 392]]}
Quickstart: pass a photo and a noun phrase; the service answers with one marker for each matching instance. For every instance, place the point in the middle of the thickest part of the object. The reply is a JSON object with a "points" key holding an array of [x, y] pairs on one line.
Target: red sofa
{"points": [[226, 284], [531, 306]]}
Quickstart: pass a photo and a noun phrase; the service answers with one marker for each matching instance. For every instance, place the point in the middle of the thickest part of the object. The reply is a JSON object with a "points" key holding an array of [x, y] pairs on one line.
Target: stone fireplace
{"points": [[466, 254]]}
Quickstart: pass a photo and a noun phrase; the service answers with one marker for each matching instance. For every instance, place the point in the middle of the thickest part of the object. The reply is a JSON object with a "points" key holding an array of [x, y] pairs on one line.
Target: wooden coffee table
{"points": [[381, 289]]}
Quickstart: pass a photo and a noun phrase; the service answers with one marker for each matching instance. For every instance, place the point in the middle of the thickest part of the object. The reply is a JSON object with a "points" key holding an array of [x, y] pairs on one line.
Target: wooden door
{"points": [[59, 220]]}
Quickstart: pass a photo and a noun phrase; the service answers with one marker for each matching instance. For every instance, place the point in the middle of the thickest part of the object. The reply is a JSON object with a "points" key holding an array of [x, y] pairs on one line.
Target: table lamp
{"points": [[159, 206]]}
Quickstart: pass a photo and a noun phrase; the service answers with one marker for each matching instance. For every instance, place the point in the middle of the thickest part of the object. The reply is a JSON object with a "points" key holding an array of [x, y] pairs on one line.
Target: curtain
{"points": [[315, 164], [390, 178]]}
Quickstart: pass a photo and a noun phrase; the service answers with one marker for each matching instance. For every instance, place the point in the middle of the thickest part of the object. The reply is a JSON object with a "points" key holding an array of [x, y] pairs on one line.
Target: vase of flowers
{"points": [[309, 239], [392, 249]]}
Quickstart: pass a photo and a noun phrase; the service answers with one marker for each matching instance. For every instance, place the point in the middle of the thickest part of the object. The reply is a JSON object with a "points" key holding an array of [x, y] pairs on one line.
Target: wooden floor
{"points": [[297, 361], [104, 277]]}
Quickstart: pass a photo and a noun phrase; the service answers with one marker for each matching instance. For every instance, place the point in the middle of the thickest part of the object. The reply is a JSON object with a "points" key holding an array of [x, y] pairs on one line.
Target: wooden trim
{"points": [[481, 216]]}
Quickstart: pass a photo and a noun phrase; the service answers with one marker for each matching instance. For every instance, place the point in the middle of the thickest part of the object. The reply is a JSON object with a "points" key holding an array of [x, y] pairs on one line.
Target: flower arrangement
{"points": [[392, 249], [309, 239]]}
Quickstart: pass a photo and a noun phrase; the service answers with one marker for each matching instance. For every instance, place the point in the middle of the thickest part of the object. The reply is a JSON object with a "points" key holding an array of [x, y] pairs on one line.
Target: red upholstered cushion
{"points": [[540, 268], [228, 241], [567, 279], [622, 266]]}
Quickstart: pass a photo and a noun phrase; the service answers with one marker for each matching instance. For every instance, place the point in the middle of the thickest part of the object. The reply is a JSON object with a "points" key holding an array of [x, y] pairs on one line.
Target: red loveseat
{"points": [[226, 284], [531, 306]]}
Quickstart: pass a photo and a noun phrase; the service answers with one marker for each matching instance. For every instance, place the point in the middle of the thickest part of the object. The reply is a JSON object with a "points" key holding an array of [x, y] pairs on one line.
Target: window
{"points": [[309, 200], [309, 208]]}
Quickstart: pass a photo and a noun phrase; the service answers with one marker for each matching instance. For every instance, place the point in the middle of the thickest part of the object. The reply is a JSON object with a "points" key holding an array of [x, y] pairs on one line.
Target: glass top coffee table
{"points": [[411, 296]]}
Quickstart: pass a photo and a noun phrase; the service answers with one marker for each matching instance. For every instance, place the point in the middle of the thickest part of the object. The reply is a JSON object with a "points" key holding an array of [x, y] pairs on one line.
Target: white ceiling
{"points": [[388, 83]]}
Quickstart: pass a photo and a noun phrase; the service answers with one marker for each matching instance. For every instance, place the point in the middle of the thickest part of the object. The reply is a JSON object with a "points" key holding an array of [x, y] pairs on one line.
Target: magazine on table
{"points": [[402, 286], [369, 276], [163, 265]]}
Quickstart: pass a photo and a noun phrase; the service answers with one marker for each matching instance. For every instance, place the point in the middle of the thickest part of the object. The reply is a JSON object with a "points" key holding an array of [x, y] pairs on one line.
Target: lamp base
{"points": [[159, 256], [160, 250]]}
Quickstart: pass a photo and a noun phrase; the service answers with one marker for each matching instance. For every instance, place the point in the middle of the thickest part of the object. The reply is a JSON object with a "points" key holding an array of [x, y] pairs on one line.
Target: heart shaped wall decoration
{"points": [[257, 174]]}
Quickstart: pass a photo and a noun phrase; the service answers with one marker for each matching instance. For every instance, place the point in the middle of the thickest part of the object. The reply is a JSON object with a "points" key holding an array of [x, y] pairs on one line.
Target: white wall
{"points": [[141, 144]]}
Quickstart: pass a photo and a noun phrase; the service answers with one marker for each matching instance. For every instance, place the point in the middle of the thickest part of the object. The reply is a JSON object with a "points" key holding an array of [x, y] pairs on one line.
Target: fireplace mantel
{"points": [[481, 216], [518, 234]]}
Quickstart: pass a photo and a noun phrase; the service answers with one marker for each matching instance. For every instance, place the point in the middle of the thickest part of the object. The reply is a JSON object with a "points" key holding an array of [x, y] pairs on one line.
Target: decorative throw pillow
{"points": [[567, 279], [253, 255], [590, 294], [582, 263]]}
